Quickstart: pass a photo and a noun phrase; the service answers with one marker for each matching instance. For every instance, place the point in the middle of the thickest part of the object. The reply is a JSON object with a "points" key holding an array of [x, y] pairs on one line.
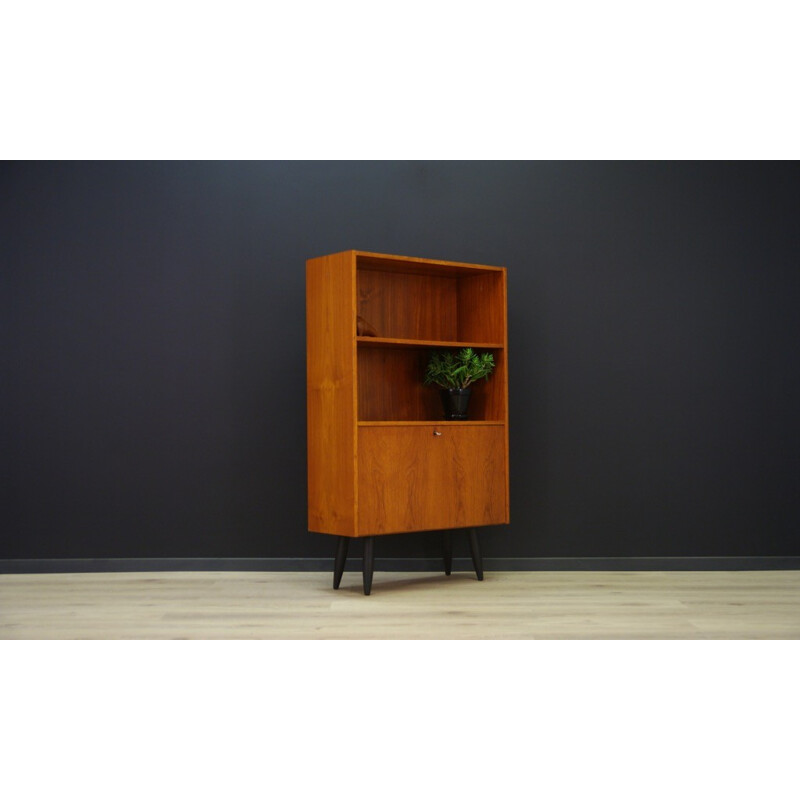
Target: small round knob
{"points": [[437, 433]]}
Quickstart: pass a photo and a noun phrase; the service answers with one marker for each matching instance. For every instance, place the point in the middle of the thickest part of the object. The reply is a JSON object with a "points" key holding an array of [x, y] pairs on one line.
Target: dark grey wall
{"points": [[153, 391]]}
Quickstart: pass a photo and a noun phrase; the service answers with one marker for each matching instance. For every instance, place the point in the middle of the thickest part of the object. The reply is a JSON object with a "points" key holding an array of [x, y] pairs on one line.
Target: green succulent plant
{"points": [[458, 370]]}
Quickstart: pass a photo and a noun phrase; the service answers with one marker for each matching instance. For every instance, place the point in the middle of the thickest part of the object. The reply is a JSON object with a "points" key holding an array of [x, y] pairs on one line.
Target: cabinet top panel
{"points": [[412, 265]]}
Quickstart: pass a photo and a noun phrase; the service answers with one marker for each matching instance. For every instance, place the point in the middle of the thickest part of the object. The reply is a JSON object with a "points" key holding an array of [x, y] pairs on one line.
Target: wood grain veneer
{"points": [[414, 480], [405, 306], [331, 393]]}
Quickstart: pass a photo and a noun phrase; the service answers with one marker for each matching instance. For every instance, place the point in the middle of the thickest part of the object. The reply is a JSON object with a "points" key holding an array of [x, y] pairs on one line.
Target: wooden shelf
{"points": [[435, 422], [383, 341]]}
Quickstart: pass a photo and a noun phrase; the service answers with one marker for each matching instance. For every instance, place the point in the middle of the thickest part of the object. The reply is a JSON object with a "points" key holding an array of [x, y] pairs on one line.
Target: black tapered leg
{"points": [[369, 562], [341, 557], [475, 549], [447, 548]]}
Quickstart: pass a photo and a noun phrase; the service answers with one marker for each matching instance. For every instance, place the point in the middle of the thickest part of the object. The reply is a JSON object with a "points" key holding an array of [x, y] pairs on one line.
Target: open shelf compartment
{"points": [[415, 307], [390, 388], [430, 303]]}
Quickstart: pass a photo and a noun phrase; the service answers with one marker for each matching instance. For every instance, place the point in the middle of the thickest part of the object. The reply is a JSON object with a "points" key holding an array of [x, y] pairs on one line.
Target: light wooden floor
{"points": [[302, 605]]}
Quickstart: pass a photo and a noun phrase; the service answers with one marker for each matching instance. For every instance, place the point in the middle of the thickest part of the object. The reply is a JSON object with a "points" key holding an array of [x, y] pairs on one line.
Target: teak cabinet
{"points": [[381, 458]]}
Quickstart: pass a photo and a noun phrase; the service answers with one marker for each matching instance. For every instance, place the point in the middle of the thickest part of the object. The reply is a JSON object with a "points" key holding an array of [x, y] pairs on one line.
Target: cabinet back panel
{"points": [[406, 306], [390, 385]]}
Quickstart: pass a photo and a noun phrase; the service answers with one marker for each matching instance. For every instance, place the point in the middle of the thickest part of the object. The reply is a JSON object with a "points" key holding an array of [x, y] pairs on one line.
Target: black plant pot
{"points": [[455, 403]]}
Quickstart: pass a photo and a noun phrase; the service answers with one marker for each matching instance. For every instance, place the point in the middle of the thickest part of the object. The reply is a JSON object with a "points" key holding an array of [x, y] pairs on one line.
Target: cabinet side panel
{"points": [[488, 400], [483, 316], [481, 307], [331, 397], [505, 393]]}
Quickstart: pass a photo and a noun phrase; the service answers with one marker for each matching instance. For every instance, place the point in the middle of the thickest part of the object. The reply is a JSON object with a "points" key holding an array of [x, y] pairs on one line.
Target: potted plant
{"points": [[453, 373]]}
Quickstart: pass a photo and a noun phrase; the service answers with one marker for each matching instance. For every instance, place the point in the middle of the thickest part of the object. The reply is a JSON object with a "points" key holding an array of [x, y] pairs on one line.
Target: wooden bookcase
{"points": [[381, 458]]}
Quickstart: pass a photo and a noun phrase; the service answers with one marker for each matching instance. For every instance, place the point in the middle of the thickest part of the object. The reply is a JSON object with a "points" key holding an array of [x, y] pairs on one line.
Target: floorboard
{"points": [[303, 605]]}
